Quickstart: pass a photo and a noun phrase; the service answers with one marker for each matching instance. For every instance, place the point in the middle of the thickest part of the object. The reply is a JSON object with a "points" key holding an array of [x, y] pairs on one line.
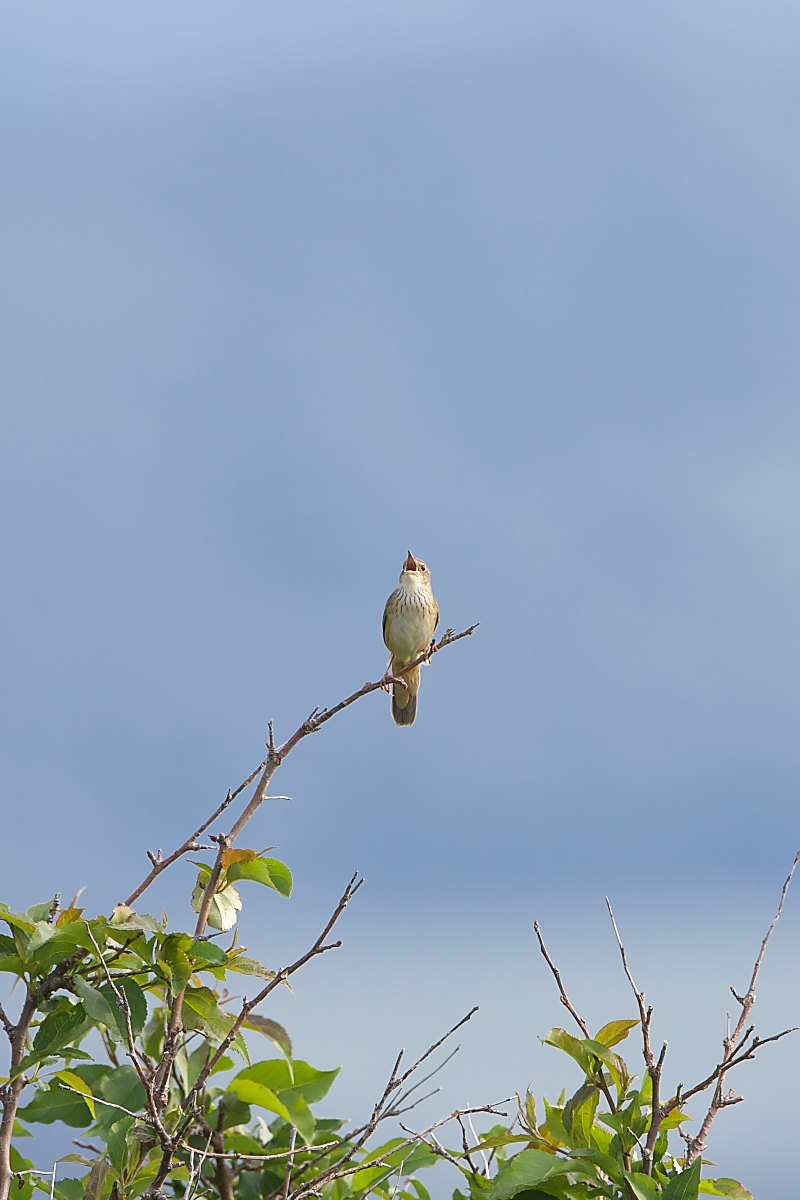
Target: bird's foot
{"points": [[389, 680]]}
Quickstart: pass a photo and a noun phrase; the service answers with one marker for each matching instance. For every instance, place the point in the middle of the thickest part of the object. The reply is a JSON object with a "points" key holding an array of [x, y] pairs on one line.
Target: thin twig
{"points": [[275, 756], [385, 1106], [697, 1145], [144, 1077], [335, 1173], [319, 947], [160, 864], [314, 722], [654, 1066], [565, 1000]]}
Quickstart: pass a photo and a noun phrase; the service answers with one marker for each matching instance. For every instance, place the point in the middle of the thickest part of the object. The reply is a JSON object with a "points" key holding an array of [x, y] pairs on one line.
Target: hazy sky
{"points": [[289, 289]]}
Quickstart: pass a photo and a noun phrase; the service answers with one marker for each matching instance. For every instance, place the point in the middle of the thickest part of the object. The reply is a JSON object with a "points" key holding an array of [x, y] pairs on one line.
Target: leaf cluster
{"points": [[592, 1143], [92, 1030]]}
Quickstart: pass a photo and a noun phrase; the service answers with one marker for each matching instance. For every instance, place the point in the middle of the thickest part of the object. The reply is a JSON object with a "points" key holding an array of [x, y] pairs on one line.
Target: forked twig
{"points": [[733, 1043]]}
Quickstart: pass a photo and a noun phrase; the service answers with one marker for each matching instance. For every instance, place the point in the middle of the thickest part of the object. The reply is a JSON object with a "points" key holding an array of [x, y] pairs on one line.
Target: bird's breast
{"points": [[410, 623]]}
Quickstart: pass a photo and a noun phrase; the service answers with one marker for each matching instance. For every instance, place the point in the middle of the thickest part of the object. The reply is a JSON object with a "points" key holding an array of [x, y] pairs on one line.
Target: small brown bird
{"points": [[409, 622]]}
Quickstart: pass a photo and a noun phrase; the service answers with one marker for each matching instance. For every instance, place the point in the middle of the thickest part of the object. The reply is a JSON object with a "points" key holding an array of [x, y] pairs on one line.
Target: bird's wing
{"points": [[386, 613]]}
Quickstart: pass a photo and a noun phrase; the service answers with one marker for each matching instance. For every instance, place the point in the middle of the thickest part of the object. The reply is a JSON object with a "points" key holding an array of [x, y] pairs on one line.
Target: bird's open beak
{"points": [[411, 563]]}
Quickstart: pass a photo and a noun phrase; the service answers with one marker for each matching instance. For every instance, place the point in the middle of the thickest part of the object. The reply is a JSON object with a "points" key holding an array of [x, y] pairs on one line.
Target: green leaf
{"points": [[572, 1046], [250, 966], [125, 918], [615, 1031], [252, 1092], [77, 1084], [55, 1103], [684, 1186], [95, 1003], [16, 920], [208, 952], [493, 1141], [56, 1031], [726, 1187], [268, 871], [644, 1187], [174, 958], [606, 1162], [202, 1011], [554, 1123], [616, 1065], [51, 944], [12, 964], [122, 1086], [290, 1079], [24, 1184], [578, 1115], [77, 1189], [271, 1029], [301, 1116], [179, 971], [117, 1143], [137, 1004], [397, 1152], [674, 1119], [524, 1171]]}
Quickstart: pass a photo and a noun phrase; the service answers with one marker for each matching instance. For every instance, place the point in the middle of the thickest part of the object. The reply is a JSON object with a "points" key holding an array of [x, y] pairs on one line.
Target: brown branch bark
{"points": [[697, 1145], [160, 864], [654, 1066], [275, 756], [319, 947], [11, 1093], [565, 1000], [385, 1107]]}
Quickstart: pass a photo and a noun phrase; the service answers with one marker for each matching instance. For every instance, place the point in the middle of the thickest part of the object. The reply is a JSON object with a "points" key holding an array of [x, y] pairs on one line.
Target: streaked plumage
{"points": [[409, 622]]}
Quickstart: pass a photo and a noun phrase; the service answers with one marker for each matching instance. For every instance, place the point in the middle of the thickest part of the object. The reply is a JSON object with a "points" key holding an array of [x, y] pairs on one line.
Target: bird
{"points": [[409, 622]]}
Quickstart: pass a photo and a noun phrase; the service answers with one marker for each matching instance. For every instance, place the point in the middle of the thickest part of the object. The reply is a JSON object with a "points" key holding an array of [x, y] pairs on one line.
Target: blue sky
{"points": [[291, 289]]}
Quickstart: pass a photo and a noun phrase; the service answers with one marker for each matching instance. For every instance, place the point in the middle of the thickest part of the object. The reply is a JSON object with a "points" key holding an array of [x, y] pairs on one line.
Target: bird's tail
{"points": [[404, 699]]}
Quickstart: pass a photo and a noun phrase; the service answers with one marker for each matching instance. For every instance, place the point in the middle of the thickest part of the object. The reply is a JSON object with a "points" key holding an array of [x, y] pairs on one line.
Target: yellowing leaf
{"points": [[74, 1081], [235, 856]]}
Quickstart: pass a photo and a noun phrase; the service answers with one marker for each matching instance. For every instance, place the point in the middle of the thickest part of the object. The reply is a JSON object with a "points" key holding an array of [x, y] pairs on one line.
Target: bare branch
{"points": [[315, 720], [386, 1107], [565, 1000], [319, 947], [734, 1045], [160, 864], [654, 1067], [275, 756], [339, 1171]]}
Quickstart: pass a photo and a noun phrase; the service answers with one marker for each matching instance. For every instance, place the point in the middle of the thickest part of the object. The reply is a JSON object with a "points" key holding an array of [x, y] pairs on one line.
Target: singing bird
{"points": [[409, 621]]}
